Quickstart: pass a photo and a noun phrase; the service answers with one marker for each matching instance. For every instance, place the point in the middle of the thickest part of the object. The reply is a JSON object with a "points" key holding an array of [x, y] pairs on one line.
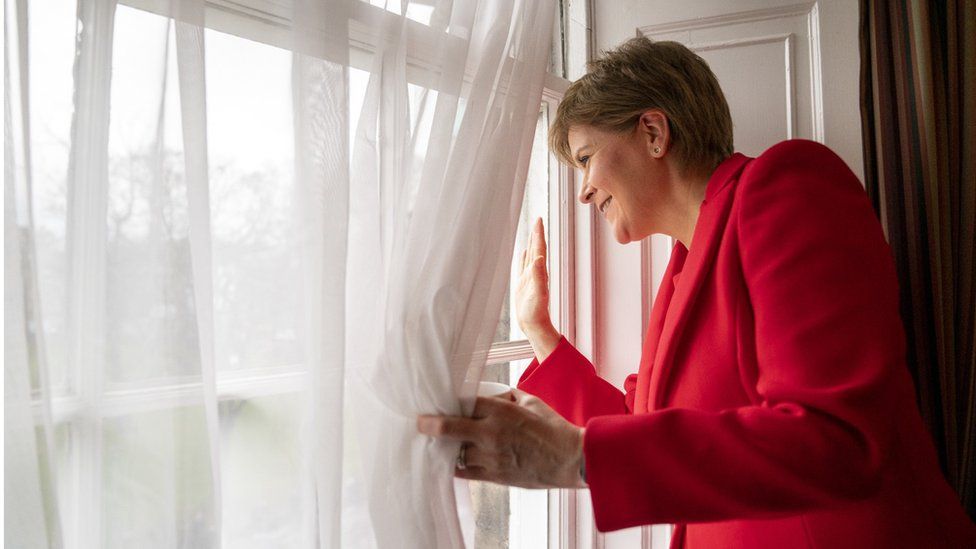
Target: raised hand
{"points": [[532, 295]]}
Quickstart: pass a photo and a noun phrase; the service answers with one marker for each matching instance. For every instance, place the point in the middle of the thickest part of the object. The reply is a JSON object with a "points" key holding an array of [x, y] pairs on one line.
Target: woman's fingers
{"points": [[486, 406], [512, 445], [520, 396], [536, 246], [534, 404], [505, 397], [527, 400], [539, 239], [464, 428], [473, 457], [450, 427], [471, 473], [542, 275]]}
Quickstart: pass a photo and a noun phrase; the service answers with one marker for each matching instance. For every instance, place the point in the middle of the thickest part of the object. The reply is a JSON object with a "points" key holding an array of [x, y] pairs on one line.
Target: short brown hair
{"points": [[642, 74]]}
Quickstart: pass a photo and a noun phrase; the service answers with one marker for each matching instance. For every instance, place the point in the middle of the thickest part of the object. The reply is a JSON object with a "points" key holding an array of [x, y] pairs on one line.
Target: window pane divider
{"points": [[509, 351], [233, 386]]}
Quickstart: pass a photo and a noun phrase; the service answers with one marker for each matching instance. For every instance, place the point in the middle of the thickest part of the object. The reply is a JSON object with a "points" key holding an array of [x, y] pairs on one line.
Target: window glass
{"points": [[261, 472], [151, 461], [52, 54], [251, 151], [62, 455], [534, 205], [417, 10], [149, 279], [508, 517]]}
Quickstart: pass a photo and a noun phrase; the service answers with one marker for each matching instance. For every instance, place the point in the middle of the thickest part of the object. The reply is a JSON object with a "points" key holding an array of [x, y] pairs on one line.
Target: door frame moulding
{"points": [[809, 10]]}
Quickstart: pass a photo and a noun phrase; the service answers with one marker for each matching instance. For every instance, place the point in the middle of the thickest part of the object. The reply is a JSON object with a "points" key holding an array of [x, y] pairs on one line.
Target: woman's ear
{"points": [[653, 127]]}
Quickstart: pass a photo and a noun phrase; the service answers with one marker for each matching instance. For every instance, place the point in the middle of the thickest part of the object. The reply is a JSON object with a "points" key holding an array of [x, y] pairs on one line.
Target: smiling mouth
{"points": [[605, 205]]}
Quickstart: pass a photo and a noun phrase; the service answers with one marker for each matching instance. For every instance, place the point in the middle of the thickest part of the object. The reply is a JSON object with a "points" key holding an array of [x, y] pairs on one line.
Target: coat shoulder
{"points": [[798, 155], [799, 162]]}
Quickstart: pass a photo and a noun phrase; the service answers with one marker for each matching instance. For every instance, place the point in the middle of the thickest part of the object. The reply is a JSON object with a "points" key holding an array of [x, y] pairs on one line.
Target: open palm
{"points": [[532, 297]]}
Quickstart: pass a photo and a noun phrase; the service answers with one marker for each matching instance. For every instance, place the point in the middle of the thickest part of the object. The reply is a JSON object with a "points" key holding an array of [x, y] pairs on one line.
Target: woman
{"points": [[772, 406]]}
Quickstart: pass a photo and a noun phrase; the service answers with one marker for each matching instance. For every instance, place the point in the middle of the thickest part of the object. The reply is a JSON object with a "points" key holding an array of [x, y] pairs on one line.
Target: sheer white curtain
{"points": [[215, 336]]}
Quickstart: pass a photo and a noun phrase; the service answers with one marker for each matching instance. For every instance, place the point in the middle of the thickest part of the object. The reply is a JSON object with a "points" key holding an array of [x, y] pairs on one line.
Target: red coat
{"points": [[772, 406]]}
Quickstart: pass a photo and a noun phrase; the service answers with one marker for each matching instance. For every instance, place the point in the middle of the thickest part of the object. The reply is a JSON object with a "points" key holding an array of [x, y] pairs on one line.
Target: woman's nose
{"points": [[586, 194]]}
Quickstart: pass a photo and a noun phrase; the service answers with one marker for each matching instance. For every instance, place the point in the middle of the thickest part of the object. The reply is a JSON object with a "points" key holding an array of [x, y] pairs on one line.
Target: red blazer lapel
{"points": [[711, 223], [655, 327]]}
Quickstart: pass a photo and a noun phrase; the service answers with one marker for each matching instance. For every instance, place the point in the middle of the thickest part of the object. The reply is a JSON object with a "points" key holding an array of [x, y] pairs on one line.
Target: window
{"points": [[121, 422], [514, 517]]}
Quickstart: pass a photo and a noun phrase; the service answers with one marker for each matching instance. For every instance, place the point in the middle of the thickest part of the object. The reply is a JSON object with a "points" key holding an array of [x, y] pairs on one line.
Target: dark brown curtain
{"points": [[918, 110]]}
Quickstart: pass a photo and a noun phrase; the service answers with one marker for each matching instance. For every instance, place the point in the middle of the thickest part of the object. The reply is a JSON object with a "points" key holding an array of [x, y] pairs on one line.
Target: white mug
{"points": [[492, 389], [486, 389]]}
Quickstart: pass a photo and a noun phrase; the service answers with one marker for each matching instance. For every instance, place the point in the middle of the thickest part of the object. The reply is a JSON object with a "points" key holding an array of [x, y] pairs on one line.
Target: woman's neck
{"points": [[688, 202]]}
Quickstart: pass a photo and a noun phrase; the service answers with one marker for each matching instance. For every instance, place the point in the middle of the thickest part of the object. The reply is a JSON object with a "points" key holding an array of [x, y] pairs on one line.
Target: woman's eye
{"points": [[583, 160]]}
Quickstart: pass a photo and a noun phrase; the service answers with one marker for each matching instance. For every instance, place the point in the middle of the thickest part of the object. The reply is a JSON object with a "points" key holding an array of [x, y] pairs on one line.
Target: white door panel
{"points": [[768, 64], [765, 113]]}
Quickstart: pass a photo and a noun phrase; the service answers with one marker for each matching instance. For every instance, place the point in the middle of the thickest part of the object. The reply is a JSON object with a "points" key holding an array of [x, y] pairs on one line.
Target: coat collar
{"points": [[697, 262]]}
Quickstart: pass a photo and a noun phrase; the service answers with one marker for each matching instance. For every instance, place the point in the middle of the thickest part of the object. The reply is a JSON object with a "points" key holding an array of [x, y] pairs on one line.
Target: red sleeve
{"points": [[568, 383], [822, 287]]}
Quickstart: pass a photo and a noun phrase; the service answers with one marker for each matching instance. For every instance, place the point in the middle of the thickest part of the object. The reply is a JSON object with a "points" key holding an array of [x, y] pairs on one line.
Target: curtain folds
{"points": [[30, 515], [918, 107], [237, 269], [436, 231]]}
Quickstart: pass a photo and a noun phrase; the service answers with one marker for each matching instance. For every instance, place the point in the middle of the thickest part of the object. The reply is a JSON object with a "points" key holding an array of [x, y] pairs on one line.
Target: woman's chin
{"points": [[623, 235], [620, 234]]}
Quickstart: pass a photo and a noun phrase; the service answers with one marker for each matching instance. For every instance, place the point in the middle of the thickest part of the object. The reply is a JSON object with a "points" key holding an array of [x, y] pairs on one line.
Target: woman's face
{"points": [[621, 179]]}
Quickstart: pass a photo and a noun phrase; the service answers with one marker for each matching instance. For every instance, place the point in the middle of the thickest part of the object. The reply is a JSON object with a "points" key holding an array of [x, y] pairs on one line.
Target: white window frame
{"points": [[565, 261], [571, 263]]}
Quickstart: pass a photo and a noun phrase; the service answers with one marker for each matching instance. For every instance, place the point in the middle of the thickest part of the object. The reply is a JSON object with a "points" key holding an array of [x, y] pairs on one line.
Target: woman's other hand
{"points": [[532, 297], [522, 443]]}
